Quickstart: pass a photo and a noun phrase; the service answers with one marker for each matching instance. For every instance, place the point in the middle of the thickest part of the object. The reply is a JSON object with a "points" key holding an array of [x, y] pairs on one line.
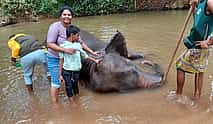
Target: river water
{"points": [[153, 33]]}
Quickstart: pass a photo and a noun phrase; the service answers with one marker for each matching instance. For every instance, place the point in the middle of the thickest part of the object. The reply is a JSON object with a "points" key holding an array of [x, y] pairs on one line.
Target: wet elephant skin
{"points": [[120, 69]]}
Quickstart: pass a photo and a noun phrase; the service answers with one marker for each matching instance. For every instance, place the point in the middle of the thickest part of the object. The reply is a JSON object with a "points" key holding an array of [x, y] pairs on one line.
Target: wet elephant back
{"points": [[91, 41]]}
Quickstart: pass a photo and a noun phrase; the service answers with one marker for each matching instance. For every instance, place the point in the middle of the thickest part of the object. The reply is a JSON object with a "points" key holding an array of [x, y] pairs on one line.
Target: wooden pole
{"points": [[179, 41]]}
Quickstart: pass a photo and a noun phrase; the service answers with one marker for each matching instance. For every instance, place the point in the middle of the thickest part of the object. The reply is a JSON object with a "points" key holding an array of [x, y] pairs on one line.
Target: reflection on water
{"points": [[110, 119], [106, 32], [153, 33], [87, 103], [183, 100]]}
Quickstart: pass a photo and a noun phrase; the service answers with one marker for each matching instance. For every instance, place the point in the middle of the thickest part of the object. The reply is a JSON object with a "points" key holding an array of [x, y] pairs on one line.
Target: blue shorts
{"points": [[53, 68], [29, 61]]}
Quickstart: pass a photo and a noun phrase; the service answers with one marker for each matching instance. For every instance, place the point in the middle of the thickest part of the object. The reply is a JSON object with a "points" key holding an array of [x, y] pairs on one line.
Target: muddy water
{"points": [[153, 33]]}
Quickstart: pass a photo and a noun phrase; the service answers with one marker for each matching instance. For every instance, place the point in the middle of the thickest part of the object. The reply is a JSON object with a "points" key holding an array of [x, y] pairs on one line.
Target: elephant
{"points": [[120, 69]]}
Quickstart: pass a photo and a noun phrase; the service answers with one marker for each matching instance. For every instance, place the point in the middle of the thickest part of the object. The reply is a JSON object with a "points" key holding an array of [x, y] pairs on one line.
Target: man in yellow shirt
{"points": [[31, 52]]}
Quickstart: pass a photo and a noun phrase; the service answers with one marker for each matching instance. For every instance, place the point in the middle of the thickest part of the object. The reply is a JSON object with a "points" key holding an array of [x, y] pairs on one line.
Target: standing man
{"points": [[195, 59]]}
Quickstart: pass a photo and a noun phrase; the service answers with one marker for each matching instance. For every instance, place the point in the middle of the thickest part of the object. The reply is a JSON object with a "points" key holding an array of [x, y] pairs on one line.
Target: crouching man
{"points": [[30, 52]]}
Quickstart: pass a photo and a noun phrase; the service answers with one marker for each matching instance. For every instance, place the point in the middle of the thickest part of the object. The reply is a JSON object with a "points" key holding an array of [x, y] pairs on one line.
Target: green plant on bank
{"points": [[46, 7], [18, 8], [86, 7], [97, 7], [30, 8]]}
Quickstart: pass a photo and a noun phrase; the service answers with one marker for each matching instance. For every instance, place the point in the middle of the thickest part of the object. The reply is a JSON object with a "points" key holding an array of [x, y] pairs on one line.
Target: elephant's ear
{"points": [[117, 45]]}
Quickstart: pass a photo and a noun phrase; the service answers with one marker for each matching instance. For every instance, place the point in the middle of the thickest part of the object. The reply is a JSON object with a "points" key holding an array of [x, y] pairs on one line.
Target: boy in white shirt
{"points": [[70, 64]]}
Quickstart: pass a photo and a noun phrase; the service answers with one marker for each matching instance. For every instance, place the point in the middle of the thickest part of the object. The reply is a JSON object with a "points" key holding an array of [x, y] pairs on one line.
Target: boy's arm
{"points": [[61, 62], [94, 60]]}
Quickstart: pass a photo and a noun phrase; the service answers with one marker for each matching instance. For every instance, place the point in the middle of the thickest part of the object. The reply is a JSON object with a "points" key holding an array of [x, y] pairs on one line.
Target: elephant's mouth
{"points": [[149, 81], [151, 76]]}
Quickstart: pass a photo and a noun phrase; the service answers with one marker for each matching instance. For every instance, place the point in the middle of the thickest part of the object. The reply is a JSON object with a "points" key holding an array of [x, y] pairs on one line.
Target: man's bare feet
{"points": [[172, 96], [195, 97]]}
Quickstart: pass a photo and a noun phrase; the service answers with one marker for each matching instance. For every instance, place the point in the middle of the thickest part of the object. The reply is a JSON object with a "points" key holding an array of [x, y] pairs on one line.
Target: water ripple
{"points": [[27, 121], [88, 103], [110, 119]]}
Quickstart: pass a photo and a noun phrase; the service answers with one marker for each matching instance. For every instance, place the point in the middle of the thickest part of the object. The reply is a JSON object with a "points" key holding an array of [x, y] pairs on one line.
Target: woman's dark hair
{"points": [[72, 30], [64, 8]]}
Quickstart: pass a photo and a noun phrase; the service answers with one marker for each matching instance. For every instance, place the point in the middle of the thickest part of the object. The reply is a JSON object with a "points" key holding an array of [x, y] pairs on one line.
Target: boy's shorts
{"points": [[53, 68]]}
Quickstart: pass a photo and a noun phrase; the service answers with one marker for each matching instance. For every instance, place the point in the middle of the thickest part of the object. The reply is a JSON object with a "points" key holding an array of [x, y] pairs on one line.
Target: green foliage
{"points": [[46, 6], [97, 7], [23, 8], [20, 8]]}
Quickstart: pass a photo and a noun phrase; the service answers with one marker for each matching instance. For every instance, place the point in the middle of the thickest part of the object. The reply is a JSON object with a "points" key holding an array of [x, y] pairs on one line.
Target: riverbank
{"points": [[141, 5]]}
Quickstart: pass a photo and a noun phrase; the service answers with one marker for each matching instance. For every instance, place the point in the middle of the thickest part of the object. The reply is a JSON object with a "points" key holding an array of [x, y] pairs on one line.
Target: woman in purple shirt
{"points": [[55, 36]]}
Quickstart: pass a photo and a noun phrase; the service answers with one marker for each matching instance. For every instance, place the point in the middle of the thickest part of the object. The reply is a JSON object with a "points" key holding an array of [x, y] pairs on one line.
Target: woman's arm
{"points": [[57, 48], [52, 36]]}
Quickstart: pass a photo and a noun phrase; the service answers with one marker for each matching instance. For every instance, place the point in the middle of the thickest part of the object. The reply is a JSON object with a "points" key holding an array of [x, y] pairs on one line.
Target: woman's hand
{"points": [[61, 79]]}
